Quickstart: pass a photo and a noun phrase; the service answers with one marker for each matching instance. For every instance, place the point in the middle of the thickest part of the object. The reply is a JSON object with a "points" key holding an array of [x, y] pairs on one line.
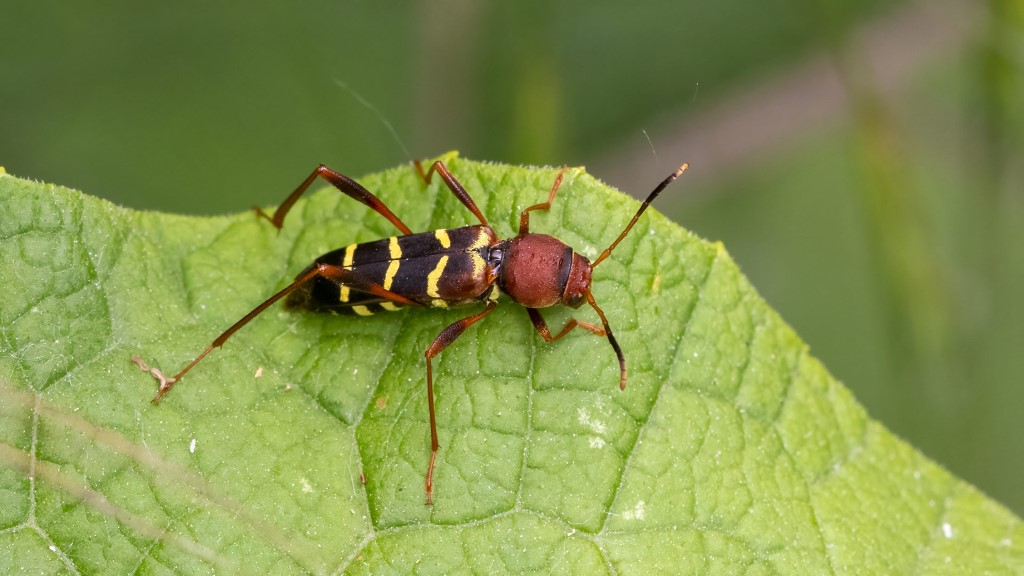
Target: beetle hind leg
{"points": [[344, 184], [330, 272]]}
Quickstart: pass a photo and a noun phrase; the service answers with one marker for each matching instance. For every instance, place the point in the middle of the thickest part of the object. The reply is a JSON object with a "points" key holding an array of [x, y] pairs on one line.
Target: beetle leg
{"points": [[328, 271], [343, 183], [542, 328], [443, 340], [524, 218], [453, 184]]}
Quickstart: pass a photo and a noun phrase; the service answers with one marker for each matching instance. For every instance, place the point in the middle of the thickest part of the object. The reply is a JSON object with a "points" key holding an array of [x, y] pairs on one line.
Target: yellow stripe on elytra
{"points": [[350, 254], [362, 310], [435, 276], [389, 306], [395, 251], [443, 238], [482, 239], [389, 275], [478, 264]]}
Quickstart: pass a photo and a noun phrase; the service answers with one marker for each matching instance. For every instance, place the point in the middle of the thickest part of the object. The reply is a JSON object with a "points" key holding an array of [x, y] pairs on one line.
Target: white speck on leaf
{"points": [[947, 530], [596, 442], [589, 423], [192, 446], [306, 486], [259, 372], [637, 513]]}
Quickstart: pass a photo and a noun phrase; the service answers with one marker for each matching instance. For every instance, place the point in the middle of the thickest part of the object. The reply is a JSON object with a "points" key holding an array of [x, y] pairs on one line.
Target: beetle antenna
{"points": [[664, 184], [611, 340], [383, 120]]}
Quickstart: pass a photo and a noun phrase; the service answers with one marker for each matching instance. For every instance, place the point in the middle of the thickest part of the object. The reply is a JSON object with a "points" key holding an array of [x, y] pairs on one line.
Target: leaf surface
{"points": [[732, 450]]}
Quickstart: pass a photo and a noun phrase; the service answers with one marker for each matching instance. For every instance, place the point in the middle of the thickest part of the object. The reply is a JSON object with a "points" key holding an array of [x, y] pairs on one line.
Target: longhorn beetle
{"points": [[439, 269]]}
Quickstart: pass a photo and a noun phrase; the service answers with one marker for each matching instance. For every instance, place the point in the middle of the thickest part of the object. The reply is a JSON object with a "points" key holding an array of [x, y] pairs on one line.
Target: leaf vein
{"points": [[616, 490]]}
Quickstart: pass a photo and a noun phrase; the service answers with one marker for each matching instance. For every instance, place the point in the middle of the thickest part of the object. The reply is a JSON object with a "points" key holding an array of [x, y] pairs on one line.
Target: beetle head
{"points": [[577, 284]]}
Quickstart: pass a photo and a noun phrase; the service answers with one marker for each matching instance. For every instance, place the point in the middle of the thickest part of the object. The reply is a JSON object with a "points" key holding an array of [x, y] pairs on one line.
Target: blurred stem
{"points": [[535, 133], [537, 100], [919, 314], [1001, 189], [1002, 65], [921, 317], [446, 69], [1002, 92]]}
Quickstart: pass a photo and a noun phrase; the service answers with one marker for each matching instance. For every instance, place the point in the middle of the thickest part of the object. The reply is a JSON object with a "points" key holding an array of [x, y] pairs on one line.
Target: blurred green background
{"points": [[861, 160]]}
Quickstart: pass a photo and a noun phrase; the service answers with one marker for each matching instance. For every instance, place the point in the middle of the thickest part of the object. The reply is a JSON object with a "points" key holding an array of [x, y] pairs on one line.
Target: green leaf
{"points": [[732, 450]]}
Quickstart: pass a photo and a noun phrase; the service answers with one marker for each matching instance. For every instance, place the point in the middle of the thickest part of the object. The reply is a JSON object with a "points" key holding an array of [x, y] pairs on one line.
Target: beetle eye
{"points": [[576, 300]]}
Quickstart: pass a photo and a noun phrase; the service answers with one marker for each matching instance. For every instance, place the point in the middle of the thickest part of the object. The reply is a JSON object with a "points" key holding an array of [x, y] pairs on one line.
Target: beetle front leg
{"points": [[443, 340], [524, 217], [603, 330], [542, 327]]}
